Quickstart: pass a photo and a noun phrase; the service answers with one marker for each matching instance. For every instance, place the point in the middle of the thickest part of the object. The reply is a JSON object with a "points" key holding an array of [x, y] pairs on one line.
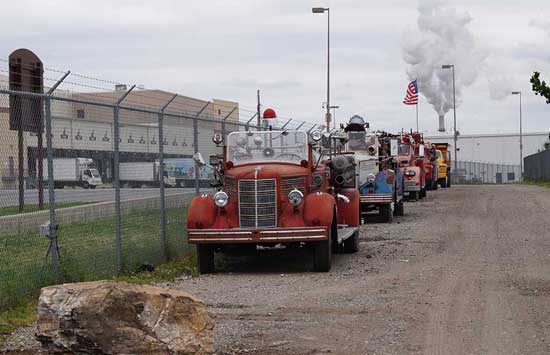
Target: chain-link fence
{"points": [[100, 188], [468, 172], [537, 166]]}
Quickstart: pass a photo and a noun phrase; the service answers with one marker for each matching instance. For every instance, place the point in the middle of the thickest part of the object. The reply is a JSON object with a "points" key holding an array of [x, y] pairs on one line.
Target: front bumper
{"points": [[376, 199], [267, 235], [411, 185]]}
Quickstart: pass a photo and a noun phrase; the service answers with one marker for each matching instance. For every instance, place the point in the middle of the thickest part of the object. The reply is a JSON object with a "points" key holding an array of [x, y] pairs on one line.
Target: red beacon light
{"points": [[269, 114]]}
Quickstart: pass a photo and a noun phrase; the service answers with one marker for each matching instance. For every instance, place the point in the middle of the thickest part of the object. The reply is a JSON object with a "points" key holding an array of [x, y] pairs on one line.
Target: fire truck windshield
{"points": [[403, 149], [362, 142], [267, 146]]}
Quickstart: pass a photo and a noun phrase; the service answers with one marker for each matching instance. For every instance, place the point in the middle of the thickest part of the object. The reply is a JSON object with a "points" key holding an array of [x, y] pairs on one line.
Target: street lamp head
{"points": [[334, 106], [516, 92], [447, 66], [318, 10]]}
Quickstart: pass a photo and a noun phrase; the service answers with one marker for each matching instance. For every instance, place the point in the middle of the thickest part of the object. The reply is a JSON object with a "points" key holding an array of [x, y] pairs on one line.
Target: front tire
{"points": [[449, 180], [351, 245], [386, 214], [322, 258], [205, 259], [399, 209]]}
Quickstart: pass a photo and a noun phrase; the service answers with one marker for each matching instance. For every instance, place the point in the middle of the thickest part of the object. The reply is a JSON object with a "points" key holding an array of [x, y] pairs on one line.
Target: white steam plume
{"points": [[442, 37]]}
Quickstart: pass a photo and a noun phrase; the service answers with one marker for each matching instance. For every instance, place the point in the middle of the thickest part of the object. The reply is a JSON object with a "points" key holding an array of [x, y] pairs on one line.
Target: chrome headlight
{"points": [[221, 199], [371, 178], [295, 197], [316, 135]]}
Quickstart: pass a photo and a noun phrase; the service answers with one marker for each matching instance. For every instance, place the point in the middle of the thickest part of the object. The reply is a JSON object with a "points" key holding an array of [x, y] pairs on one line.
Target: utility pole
{"points": [[520, 137], [258, 114]]}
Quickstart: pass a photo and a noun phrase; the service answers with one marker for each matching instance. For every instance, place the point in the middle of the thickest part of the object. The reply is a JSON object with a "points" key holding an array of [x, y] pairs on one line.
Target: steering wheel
{"points": [[298, 157]]}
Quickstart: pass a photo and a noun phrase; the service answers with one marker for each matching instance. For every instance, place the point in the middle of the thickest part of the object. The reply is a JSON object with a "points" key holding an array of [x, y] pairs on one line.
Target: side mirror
{"points": [[394, 144], [197, 157], [421, 152]]}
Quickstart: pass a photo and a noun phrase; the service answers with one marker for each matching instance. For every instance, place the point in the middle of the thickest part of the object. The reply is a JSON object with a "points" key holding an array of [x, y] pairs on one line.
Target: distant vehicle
{"points": [[73, 172], [379, 182], [415, 177], [444, 162], [184, 172], [140, 174]]}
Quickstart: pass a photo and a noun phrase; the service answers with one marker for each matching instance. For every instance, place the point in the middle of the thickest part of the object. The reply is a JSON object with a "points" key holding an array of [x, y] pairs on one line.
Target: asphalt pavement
{"points": [[11, 197]]}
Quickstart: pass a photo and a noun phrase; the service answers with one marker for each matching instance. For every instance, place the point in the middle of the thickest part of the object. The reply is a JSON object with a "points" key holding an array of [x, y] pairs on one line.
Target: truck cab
{"points": [[90, 177], [276, 188]]}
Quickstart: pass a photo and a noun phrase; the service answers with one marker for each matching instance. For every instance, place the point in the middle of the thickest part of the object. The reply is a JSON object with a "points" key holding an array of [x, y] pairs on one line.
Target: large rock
{"points": [[108, 317]]}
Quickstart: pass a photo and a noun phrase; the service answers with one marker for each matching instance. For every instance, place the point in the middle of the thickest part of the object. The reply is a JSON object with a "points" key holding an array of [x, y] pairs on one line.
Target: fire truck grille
{"points": [[289, 184], [258, 203], [230, 186]]}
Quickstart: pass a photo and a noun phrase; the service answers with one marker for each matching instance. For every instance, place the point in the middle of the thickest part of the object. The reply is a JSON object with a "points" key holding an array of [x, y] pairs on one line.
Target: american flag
{"points": [[412, 94]]}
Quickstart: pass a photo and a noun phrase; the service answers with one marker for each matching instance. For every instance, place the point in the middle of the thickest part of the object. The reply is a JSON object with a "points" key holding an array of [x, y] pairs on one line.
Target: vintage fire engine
{"points": [[379, 181], [277, 188], [415, 180]]}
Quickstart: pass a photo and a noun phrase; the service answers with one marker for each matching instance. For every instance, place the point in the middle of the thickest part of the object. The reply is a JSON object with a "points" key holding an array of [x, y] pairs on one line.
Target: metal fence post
{"points": [[224, 120], [163, 240], [53, 247], [196, 146], [116, 137]]}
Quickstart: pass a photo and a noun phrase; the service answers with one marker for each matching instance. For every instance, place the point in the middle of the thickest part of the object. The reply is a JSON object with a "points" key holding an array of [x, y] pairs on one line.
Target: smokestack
{"points": [[441, 123]]}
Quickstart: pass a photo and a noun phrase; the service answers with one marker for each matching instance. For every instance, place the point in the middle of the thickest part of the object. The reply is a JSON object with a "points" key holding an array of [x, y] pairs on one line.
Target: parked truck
{"points": [[140, 174], [276, 189], [443, 154], [73, 172], [184, 172], [379, 183], [414, 175]]}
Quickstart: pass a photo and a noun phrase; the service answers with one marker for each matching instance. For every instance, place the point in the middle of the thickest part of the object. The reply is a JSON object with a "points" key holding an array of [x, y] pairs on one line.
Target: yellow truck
{"points": [[443, 164]]}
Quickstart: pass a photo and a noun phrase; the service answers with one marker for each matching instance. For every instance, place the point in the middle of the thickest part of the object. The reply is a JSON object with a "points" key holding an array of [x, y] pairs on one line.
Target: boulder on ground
{"points": [[108, 317]]}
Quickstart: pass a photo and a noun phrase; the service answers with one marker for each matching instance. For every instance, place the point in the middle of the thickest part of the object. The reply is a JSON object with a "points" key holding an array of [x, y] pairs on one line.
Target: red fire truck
{"points": [[412, 167], [278, 188]]}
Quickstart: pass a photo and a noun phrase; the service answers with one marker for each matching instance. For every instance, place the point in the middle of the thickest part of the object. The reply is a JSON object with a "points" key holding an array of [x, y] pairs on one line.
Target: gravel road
{"points": [[465, 271]]}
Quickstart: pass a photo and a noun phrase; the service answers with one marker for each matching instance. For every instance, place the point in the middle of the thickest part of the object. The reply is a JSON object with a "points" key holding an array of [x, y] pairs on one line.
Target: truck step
{"points": [[345, 233]]}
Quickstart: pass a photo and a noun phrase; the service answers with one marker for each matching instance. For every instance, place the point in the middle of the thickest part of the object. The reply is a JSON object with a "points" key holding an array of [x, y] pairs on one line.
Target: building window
{"points": [[219, 111], [80, 114], [511, 176]]}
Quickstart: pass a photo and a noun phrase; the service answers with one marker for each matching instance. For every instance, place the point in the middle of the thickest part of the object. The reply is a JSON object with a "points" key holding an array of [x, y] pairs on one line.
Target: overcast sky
{"points": [[228, 49]]}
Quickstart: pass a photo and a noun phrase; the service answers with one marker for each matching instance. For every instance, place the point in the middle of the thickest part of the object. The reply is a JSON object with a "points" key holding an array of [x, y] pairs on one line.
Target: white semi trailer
{"points": [[139, 174], [73, 172]]}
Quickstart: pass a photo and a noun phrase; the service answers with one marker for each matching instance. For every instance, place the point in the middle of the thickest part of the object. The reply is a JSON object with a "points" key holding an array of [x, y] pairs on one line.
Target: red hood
{"points": [[266, 171]]}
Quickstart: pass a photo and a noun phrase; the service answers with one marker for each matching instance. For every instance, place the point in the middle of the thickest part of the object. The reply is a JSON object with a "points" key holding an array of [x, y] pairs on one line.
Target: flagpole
{"points": [[417, 117], [417, 103]]}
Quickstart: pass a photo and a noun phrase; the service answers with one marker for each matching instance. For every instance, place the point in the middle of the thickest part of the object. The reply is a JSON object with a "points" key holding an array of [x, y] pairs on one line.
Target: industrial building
{"points": [[494, 148], [81, 130]]}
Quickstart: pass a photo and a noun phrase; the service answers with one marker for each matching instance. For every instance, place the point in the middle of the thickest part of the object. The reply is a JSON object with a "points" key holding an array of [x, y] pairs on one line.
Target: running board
{"points": [[345, 233]]}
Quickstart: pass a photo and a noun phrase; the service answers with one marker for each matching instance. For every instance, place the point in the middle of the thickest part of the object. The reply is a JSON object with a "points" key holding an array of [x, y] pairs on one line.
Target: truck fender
{"points": [[348, 213], [319, 209], [201, 213]]}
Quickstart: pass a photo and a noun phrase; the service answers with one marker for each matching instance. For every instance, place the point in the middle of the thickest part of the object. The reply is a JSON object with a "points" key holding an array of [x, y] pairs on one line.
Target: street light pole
{"points": [[520, 137], [320, 10], [452, 66], [334, 115]]}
